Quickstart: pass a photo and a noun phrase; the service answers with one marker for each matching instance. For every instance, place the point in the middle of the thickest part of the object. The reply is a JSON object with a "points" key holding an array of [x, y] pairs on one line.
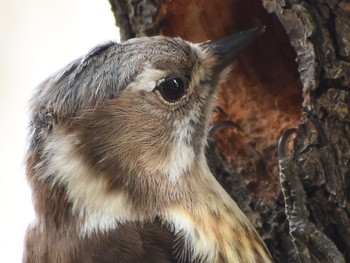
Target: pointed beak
{"points": [[228, 48]]}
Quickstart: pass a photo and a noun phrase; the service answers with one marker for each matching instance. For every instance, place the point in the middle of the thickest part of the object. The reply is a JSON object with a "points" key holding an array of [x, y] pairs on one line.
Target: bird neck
{"points": [[70, 195], [215, 228]]}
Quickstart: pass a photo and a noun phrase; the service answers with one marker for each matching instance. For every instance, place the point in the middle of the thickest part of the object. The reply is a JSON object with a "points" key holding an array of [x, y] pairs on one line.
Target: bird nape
{"points": [[116, 158]]}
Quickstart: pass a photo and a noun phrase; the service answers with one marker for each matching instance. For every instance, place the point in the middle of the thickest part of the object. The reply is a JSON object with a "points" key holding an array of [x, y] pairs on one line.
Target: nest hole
{"points": [[263, 94]]}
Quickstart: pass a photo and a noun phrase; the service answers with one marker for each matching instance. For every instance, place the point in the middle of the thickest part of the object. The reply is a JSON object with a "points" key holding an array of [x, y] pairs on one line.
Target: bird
{"points": [[116, 158]]}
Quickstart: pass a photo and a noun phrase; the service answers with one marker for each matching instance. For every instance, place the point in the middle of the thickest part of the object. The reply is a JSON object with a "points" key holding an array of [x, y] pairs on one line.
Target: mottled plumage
{"points": [[116, 158]]}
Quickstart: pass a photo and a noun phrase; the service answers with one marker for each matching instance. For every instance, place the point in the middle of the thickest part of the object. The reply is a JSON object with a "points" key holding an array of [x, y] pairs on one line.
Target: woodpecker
{"points": [[116, 158]]}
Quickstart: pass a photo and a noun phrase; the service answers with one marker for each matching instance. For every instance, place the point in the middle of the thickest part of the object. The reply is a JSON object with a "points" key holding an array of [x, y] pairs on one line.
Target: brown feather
{"points": [[130, 242], [119, 174]]}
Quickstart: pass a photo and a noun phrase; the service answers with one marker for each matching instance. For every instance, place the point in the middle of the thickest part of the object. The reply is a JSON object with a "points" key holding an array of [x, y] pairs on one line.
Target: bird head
{"points": [[138, 107], [118, 136]]}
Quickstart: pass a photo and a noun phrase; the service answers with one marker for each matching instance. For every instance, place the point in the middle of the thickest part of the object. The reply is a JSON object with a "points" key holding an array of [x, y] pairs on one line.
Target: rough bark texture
{"points": [[296, 75]]}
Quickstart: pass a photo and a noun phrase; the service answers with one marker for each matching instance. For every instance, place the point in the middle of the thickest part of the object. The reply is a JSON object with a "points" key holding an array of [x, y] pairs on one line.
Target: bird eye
{"points": [[172, 89]]}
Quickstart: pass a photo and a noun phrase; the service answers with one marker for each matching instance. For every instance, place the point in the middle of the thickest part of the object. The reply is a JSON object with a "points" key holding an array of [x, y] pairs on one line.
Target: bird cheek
{"points": [[205, 87]]}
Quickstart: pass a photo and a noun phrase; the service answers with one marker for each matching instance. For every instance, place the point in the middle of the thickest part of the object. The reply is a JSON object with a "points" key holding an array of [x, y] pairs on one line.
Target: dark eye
{"points": [[172, 89]]}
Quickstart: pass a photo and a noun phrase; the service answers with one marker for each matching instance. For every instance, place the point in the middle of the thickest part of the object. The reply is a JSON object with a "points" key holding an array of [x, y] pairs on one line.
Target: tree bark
{"points": [[296, 75]]}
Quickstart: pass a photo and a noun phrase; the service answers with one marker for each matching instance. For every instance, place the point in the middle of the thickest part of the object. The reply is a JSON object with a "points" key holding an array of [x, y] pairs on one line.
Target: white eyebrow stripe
{"points": [[147, 79]]}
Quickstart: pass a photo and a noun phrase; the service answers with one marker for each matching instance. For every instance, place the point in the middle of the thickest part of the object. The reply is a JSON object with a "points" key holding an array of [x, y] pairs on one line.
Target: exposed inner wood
{"points": [[263, 94]]}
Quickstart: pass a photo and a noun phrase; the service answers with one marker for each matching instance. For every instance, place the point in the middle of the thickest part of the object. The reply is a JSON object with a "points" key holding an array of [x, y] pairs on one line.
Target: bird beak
{"points": [[228, 48]]}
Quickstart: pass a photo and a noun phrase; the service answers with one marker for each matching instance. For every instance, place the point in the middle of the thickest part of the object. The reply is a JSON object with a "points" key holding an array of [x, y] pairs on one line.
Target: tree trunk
{"points": [[296, 75]]}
